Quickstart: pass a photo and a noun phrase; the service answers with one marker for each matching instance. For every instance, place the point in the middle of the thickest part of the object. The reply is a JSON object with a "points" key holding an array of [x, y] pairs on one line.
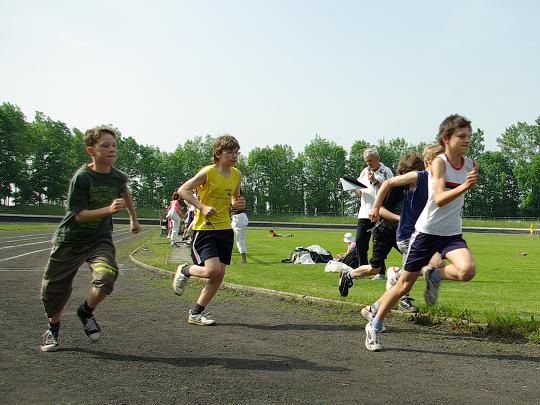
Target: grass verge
{"points": [[500, 301]]}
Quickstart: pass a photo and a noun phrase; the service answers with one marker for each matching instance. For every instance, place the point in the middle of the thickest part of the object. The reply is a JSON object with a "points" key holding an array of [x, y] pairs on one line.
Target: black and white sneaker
{"points": [[50, 341], [432, 288], [345, 282], [406, 305], [90, 325]]}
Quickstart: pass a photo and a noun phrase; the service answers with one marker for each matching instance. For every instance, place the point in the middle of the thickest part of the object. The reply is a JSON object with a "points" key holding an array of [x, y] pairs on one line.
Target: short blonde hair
{"points": [[224, 142], [92, 135], [431, 152]]}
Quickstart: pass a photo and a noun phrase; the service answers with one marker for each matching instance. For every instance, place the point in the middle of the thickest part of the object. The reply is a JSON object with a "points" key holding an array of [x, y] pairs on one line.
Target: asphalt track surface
{"points": [[263, 350]]}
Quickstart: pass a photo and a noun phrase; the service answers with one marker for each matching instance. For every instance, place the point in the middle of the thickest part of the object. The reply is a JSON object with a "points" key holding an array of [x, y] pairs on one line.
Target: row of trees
{"points": [[38, 158]]}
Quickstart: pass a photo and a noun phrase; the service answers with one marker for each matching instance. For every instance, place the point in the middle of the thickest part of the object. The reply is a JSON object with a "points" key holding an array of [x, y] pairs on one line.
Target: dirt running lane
{"points": [[262, 351]]}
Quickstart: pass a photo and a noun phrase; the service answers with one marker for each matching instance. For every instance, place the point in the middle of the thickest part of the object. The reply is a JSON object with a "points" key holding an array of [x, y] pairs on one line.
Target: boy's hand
{"points": [[208, 210], [117, 205], [239, 203], [135, 226], [472, 178], [373, 214]]}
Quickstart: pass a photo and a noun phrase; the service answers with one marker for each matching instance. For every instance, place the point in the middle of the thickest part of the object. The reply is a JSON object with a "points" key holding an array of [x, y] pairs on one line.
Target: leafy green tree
{"points": [[14, 149], [325, 163], [520, 143], [51, 167], [476, 145], [390, 152], [496, 193]]}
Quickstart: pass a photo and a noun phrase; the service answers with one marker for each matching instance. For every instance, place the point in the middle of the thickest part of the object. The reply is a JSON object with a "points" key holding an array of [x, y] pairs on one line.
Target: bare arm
{"points": [[91, 215], [237, 201], [403, 180], [441, 196], [185, 192]]}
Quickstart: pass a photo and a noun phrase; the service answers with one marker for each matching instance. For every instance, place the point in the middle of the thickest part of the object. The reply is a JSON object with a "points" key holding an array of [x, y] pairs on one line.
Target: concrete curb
{"points": [[255, 290]]}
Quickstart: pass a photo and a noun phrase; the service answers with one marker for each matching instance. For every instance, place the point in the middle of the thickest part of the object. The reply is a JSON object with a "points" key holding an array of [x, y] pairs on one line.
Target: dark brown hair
{"points": [[450, 124], [91, 136], [409, 162], [224, 142]]}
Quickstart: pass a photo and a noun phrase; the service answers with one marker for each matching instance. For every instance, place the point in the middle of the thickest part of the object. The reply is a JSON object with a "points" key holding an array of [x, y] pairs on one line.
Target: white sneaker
{"points": [[373, 338], [50, 342], [367, 314], [180, 281], [378, 277], [200, 319]]}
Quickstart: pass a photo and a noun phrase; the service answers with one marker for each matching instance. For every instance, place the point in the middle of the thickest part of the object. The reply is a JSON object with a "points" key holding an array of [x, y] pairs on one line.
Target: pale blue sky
{"points": [[273, 72]]}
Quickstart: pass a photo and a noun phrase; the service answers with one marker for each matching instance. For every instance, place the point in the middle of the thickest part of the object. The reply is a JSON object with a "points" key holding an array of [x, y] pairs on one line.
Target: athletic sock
{"points": [[185, 271], [377, 323], [197, 309], [86, 310], [436, 275], [54, 328]]}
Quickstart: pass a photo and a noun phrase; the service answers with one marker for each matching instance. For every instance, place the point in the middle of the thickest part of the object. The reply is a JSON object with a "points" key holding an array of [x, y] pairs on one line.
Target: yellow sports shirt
{"points": [[216, 192]]}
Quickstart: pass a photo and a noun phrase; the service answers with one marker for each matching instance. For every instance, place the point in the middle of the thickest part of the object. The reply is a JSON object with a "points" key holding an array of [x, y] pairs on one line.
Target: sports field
{"points": [[507, 282]]}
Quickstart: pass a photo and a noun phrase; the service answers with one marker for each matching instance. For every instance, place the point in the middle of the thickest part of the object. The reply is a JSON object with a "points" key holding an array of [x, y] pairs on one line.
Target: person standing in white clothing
{"points": [[239, 223], [372, 176]]}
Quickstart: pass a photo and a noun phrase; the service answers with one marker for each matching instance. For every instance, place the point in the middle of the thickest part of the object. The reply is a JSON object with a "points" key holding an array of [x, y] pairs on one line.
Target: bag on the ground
{"points": [[309, 255]]}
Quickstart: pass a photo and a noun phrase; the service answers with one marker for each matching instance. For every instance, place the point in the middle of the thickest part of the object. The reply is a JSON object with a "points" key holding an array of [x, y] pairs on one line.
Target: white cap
{"points": [[348, 238]]}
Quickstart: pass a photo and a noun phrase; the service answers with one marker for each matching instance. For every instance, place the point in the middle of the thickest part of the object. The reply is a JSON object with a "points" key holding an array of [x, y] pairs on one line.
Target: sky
{"points": [[273, 71]]}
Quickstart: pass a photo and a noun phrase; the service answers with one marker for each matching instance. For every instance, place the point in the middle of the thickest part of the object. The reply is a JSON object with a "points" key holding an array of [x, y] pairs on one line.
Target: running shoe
{"points": [[200, 319], [406, 305], [90, 325], [345, 282], [180, 280], [50, 341], [432, 288], [378, 277], [373, 338]]}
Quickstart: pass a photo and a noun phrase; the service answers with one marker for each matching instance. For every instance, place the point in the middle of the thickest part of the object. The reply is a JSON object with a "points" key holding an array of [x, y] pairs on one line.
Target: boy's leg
{"points": [[386, 303], [104, 272], [56, 288], [461, 268]]}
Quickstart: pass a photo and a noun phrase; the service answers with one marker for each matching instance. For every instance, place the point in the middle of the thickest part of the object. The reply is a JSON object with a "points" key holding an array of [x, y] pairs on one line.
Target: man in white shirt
{"points": [[371, 176]]}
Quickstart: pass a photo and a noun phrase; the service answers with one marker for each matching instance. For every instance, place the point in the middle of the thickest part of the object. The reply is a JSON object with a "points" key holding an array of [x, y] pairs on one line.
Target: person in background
{"points": [[239, 223], [372, 176]]}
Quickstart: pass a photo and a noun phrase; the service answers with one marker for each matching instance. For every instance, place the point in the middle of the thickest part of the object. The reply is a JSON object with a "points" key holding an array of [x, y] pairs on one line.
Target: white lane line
{"points": [[24, 254], [41, 270], [42, 250], [39, 235], [25, 239], [25, 244]]}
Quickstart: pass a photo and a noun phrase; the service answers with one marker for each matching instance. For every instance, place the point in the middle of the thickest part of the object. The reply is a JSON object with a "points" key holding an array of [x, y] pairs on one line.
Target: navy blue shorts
{"points": [[423, 246], [208, 244]]}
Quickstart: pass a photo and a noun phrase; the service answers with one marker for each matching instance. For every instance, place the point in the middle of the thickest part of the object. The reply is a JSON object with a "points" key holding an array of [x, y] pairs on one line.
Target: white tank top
{"points": [[445, 220]]}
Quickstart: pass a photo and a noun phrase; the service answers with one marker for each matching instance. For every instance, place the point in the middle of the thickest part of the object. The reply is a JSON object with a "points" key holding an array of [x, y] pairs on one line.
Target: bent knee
{"points": [[215, 272], [467, 273]]}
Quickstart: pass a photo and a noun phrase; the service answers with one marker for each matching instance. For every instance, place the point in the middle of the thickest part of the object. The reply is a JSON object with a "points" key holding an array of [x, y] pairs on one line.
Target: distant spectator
{"points": [[273, 234]]}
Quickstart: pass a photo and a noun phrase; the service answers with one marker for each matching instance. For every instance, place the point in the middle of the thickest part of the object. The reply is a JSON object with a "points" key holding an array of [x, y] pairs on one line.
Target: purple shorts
{"points": [[423, 246]]}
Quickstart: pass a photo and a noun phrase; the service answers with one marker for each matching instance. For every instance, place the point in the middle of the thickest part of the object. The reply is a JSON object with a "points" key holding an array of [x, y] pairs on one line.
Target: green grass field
{"points": [[507, 284]]}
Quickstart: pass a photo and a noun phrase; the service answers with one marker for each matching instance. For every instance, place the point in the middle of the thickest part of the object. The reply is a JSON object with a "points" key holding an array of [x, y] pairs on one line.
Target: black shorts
{"points": [[384, 239], [208, 244]]}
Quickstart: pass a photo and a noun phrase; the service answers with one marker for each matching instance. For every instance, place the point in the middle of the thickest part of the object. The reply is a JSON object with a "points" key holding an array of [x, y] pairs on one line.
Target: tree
{"points": [[51, 163], [14, 149], [520, 143], [325, 163], [496, 193]]}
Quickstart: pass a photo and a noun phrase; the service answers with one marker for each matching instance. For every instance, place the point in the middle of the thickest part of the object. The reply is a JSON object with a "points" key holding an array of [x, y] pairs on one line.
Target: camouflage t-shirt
{"points": [[89, 190]]}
